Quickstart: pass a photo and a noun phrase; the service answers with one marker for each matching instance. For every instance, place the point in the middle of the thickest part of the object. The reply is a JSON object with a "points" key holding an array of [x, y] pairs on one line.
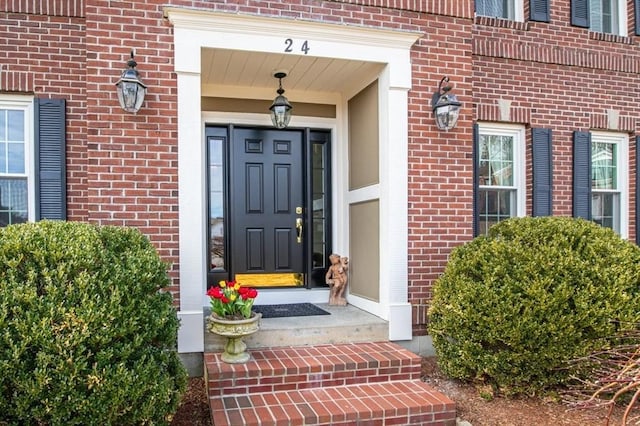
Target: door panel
{"points": [[267, 186], [255, 176], [254, 250]]}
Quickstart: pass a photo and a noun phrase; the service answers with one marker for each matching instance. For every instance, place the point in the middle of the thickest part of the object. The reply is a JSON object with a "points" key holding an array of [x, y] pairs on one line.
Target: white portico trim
{"points": [[195, 29]]}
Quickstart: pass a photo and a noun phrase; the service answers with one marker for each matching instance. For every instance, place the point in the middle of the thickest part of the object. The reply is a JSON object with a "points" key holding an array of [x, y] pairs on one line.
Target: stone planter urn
{"points": [[235, 350]]}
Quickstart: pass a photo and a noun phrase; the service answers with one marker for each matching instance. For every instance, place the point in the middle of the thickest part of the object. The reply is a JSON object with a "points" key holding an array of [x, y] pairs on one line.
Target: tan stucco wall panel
{"points": [[363, 138], [364, 250]]}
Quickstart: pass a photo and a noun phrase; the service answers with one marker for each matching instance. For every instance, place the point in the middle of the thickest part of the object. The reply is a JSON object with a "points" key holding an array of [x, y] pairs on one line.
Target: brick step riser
{"points": [[337, 384], [399, 403], [246, 385], [371, 359]]}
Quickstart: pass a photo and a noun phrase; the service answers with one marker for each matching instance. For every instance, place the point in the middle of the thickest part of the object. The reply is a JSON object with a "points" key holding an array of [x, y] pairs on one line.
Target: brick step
{"points": [[304, 367], [405, 402]]}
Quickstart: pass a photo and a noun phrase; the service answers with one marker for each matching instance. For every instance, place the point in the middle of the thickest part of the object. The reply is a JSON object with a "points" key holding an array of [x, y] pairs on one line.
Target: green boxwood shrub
{"points": [[87, 335], [513, 307]]}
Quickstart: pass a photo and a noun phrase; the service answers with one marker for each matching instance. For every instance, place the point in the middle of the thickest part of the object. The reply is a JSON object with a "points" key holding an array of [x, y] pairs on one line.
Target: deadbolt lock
{"points": [[298, 210]]}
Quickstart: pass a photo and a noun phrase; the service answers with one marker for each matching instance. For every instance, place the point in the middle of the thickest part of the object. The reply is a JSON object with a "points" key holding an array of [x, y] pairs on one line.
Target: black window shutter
{"points": [[50, 175], [542, 171], [582, 175], [636, 4], [476, 180], [539, 10], [580, 13], [638, 190]]}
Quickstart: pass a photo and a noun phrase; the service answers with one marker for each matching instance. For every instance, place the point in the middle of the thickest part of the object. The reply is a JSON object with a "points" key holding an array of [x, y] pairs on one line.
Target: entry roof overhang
{"points": [[339, 57]]}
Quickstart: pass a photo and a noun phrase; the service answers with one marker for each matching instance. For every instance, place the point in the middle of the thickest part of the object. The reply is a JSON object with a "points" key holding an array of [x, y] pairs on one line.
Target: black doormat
{"points": [[289, 310]]}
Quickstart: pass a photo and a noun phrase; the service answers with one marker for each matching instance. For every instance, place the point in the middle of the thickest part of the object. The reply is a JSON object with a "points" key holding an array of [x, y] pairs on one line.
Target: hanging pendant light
{"points": [[280, 108]]}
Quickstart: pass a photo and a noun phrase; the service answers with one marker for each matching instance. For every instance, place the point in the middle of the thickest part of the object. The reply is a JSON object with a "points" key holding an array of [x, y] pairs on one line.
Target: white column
{"points": [[191, 196], [394, 86]]}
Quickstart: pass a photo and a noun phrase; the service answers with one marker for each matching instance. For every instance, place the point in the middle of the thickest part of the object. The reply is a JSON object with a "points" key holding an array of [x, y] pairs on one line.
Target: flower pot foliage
{"points": [[87, 332], [512, 308], [231, 300]]}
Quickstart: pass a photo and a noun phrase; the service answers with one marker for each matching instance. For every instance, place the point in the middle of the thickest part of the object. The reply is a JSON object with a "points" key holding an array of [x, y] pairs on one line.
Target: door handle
{"points": [[299, 229]]}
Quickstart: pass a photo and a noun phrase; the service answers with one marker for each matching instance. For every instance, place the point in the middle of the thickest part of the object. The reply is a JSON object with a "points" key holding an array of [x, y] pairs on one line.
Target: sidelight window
{"points": [[217, 253]]}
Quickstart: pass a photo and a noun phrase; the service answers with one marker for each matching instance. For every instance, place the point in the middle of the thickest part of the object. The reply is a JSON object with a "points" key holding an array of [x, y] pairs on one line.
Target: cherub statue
{"points": [[337, 278]]}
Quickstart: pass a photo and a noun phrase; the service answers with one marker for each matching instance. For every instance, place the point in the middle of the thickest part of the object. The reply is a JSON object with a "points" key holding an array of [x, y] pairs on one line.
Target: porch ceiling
{"points": [[305, 73]]}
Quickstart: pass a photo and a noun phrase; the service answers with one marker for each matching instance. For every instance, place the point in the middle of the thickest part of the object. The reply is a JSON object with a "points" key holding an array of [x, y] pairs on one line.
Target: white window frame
{"points": [[24, 103], [622, 177], [621, 6], [517, 132], [518, 10]]}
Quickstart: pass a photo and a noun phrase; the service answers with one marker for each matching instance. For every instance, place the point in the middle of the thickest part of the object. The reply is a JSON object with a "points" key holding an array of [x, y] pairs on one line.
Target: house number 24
{"points": [[289, 45]]}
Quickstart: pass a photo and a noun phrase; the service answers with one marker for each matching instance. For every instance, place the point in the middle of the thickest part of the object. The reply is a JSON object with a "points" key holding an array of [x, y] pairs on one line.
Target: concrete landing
{"points": [[346, 324]]}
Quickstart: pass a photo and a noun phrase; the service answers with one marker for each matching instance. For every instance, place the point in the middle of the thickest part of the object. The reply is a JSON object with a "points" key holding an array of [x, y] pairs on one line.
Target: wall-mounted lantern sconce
{"points": [[280, 108], [131, 90], [446, 107]]}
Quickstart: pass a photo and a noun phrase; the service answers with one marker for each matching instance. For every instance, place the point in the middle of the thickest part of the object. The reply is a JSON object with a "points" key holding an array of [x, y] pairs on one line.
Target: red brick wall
{"points": [[440, 163], [45, 56], [122, 168]]}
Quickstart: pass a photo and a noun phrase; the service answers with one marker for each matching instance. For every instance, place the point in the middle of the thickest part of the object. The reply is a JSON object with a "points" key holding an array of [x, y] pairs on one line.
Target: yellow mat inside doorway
{"points": [[270, 280]]}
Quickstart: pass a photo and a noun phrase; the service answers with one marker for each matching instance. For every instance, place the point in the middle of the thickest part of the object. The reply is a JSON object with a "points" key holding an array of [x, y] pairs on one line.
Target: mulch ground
{"points": [[194, 409]]}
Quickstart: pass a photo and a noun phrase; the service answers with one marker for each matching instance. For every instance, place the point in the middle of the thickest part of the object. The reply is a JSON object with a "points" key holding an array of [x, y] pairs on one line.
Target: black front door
{"points": [[268, 197], [267, 205]]}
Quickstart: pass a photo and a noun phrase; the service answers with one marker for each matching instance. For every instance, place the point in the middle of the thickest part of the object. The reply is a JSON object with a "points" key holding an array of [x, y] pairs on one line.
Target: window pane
{"points": [[13, 201], [3, 125], [318, 206], [318, 256], [495, 205], [496, 160], [318, 234], [12, 143], [317, 158], [3, 158], [16, 158], [603, 166], [215, 152], [318, 181], [216, 207], [605, 210], [15, 120], [498, 8], [217, 243], [215, 178]]}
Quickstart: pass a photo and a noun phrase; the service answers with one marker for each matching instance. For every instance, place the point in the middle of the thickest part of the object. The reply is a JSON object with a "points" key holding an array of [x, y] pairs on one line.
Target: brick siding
{"points": [[122, 168]]}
